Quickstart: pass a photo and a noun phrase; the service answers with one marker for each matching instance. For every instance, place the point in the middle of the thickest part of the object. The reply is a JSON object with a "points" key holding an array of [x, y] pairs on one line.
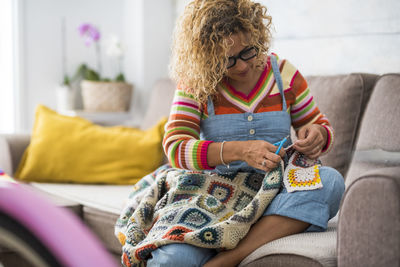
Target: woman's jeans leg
{"points": [[316, 207], [180, 255]]}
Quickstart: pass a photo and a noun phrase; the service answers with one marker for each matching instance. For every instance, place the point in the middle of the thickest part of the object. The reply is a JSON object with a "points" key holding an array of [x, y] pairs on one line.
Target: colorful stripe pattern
{"points": [[181, 140], [182, 133], [250, 102]]}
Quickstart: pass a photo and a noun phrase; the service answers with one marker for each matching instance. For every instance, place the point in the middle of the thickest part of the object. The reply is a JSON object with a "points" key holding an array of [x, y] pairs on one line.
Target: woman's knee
{"points": [[177, 255], [332, 178], [333, 182]]}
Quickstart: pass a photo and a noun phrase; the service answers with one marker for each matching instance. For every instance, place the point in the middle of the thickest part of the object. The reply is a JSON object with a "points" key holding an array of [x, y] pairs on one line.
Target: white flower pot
{"points": [[64, 98]]}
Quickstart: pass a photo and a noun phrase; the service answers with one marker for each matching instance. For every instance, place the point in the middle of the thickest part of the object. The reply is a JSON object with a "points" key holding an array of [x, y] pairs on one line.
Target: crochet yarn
{"points": [[302, 173], [202, 208], [198, 208]]}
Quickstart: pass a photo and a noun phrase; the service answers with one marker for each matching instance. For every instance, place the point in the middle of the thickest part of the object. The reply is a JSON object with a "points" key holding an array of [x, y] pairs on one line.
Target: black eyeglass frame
{"points": [[235, 58]]}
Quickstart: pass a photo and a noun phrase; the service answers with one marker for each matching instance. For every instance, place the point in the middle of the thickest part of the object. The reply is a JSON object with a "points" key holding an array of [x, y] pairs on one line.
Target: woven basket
{"points": [[106, 96]]}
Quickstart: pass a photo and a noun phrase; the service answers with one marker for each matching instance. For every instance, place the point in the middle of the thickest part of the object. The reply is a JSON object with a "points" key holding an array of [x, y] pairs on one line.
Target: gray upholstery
{"points": [[342, 98], [5, 159], [285, 260], [369, 224], [379, 131], [102, 224], [381, 125], [316, 247], [160, 102], [17, 144]]}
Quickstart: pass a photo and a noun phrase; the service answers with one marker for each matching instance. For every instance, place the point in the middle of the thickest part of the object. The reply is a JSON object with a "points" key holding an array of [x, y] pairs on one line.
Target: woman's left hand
{"points": [[311, 140]]}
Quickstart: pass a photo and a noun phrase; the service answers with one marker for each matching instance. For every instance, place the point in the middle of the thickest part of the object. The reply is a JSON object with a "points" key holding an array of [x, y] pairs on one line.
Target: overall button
{"points": [[252, 131], [250, 118]]}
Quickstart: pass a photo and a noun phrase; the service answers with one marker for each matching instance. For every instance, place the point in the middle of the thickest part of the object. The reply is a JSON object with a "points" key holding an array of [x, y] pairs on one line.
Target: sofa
{"points": [[365, 113]]}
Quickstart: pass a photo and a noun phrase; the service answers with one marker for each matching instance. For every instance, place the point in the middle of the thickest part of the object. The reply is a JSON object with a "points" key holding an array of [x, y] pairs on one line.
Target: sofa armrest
{"points": [[369, 220], [5, 156], [12, 147]]}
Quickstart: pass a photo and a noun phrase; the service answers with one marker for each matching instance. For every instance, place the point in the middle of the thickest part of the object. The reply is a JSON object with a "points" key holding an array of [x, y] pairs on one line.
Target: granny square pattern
{"points": [[223, 192], [203, 209], [302, 173]]}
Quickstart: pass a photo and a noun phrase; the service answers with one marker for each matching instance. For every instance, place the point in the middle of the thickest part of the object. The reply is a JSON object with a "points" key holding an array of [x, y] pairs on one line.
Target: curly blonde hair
{"points": [[201, 41]]}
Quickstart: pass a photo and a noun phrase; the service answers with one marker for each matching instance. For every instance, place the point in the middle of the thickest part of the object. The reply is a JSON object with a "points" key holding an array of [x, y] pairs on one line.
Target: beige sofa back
{"points": [[159, 103], [342, 98], [369, 218], [378, 143], [17, 143]]}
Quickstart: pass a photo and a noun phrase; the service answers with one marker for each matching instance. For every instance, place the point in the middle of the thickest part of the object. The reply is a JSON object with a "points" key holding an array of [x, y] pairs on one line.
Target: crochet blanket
{"points": [[202, 208]]}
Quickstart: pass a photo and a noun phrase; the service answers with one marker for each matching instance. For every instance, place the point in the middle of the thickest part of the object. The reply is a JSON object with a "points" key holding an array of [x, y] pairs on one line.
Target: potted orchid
{"points": [[100, 93]]}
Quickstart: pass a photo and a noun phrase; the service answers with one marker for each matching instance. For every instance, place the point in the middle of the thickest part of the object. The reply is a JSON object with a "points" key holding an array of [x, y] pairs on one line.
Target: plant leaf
{"points": [[91, 75], [120, 78]]}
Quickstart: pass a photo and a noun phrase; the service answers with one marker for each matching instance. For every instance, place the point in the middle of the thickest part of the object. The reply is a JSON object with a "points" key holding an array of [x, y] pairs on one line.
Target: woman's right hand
{"points": [[261, 154], [257, 153]]}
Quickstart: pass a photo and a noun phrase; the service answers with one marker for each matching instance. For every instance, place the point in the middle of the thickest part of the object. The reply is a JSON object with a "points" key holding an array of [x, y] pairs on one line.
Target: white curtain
{"points": [[7, 68]]}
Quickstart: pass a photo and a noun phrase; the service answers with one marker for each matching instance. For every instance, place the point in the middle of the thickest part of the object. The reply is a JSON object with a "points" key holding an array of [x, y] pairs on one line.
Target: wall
{"points": [[319, 37], [335, 36], [338, 36], [41, 49], [7, 113], [145, 27], [148, 28]]}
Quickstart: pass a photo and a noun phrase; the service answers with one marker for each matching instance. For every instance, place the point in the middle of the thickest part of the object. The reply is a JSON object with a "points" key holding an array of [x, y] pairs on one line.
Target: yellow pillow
{"points": [[67, 149]]}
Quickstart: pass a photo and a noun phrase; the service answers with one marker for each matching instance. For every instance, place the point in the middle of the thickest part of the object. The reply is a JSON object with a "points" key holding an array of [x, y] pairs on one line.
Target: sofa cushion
{"points": [[342, 98], [310, 249], [369, 226], [160, 102], [101, 206], [69, 204], [72, 149], [102, 224], [159, 105], [17, 144], [381, 124], [108, 198], [5, 156], [284, 260], [378, 142]]}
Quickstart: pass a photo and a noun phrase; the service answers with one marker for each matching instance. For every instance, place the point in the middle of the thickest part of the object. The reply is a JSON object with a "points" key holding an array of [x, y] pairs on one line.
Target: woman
{"points": [[234, 102]]}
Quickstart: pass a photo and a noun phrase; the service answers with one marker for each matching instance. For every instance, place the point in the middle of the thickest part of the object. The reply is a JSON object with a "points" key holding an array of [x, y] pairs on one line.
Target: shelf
{"points": [[103, 118]]}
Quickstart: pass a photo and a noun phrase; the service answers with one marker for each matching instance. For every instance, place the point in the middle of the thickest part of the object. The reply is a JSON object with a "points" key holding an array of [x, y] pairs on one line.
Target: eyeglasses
{"points": [[245, 55]]}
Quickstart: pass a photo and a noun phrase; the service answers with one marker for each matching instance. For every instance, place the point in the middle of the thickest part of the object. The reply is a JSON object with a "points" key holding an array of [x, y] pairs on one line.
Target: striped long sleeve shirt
{"points": [[182, 142]]}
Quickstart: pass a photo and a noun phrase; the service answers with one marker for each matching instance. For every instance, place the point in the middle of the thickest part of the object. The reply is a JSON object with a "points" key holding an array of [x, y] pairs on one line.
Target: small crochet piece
{"points": [[302, 173]]}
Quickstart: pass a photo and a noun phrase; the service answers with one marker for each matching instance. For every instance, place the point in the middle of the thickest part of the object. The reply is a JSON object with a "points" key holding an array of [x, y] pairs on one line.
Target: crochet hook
{"points": [[280, 143]]}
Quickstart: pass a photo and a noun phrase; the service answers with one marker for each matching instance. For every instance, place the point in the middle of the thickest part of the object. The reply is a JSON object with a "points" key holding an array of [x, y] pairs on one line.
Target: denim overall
{"points": [[269, 126], [315, 207]]}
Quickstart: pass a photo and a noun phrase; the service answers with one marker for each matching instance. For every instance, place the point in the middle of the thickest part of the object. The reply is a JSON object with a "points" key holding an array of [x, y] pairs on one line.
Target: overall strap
{"points": [[278, 80], [210, 106]]}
